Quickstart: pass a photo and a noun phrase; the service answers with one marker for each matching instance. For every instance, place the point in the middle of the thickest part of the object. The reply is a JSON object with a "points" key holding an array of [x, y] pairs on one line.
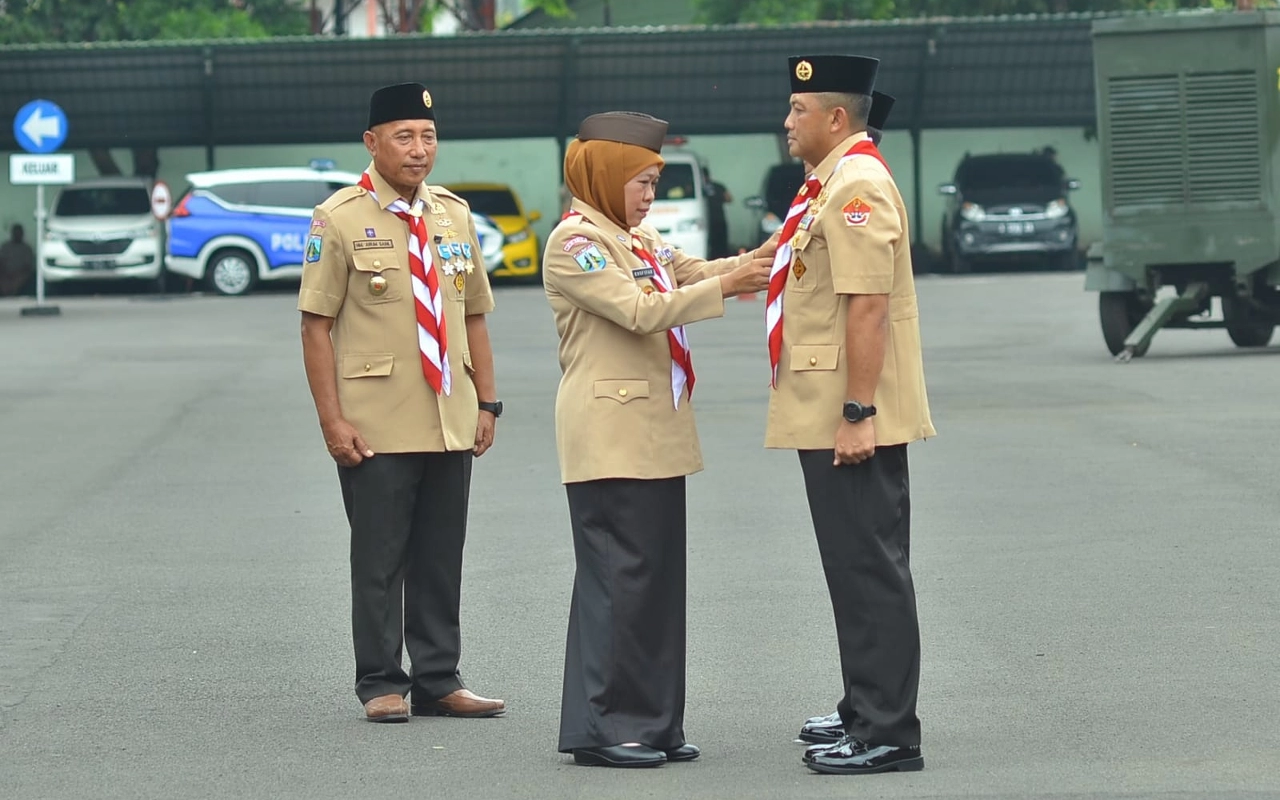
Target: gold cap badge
{"points": [[426, 98], [804, 71]]}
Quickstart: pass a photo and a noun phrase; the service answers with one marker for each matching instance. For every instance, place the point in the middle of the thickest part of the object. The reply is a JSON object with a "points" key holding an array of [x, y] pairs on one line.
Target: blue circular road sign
{"points": [[40, 127]]}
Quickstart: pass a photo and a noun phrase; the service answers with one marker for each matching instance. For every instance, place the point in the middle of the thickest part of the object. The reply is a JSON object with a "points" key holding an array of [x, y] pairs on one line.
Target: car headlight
{"points": [[138, 233], [55, 236], [1056, 209], [686, 225], [518, 236], [972, 212]]}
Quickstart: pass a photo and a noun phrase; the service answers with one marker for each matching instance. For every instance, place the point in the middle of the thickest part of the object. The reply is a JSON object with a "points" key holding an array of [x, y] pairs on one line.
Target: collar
{"points": [[597, 218], [388, 195], [823, 170]]}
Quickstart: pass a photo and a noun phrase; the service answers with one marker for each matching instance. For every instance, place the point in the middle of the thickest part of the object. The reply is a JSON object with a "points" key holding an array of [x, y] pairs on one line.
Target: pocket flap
{"points": [[366, 365], [807, 357], [622, 391], [375, 260]]}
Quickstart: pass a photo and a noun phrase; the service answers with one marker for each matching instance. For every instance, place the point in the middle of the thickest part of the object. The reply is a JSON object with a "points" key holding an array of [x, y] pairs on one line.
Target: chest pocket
{"points": [[379, 277]]}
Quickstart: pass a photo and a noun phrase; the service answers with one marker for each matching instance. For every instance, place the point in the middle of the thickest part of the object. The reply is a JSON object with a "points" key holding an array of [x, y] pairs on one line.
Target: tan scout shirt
{"points": [[859, 243], [615, 414], [381, 387]]}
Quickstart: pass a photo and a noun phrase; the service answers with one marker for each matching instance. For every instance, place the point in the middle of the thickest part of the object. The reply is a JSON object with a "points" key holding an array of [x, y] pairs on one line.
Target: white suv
{"points": [[102, 229], [679, 210]]}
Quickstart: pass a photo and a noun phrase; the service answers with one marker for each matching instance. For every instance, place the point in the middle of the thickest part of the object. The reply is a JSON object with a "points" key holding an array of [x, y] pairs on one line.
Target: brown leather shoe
{"points": [[387, 708], [462, 703]]}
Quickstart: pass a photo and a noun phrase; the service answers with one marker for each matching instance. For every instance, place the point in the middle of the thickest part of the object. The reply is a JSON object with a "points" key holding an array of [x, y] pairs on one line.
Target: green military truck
{"points": [[1188, 122]]}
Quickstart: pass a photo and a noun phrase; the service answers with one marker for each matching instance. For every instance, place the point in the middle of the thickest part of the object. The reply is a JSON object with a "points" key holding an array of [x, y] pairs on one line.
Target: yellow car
{"points": [[520, 252]]}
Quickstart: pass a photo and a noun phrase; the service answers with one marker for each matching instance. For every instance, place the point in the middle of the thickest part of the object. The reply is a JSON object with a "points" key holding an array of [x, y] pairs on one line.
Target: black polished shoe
{"points": [[823, 730], [852, 756], [685, 752], [619, 755]]}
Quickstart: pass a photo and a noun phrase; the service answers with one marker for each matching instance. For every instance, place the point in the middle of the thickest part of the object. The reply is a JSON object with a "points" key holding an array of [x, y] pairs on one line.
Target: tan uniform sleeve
{"points": [[861, 227], [324, 268], [688, 269], [479, 299], [612, 293]]}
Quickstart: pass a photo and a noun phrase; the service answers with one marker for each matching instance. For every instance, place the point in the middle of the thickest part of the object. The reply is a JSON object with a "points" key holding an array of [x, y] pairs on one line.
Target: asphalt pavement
{"points": [[1095, 555]]}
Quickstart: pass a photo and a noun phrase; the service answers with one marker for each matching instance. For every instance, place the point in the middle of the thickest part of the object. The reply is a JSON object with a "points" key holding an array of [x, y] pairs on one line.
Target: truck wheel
{"points": [[232, 272], [1120, 313], [1243, 325]]}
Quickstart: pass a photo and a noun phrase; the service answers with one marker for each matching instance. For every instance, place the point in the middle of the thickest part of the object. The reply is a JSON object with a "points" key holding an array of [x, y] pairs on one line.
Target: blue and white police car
{"points": [[233, 228]]}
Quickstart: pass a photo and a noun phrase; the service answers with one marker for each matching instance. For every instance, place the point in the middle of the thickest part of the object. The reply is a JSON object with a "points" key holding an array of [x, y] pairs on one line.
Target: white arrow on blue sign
{"points": [[40, 127]]}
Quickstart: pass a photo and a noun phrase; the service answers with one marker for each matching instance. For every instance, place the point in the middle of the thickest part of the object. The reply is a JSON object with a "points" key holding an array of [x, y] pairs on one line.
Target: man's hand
{"points": [[855, 442], [484, 433], [345, 444]]}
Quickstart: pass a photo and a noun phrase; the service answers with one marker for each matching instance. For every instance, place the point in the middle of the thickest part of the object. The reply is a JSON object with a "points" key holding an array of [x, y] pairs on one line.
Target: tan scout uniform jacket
{"points": [[381, 388], [858, 244], [615, 414]]}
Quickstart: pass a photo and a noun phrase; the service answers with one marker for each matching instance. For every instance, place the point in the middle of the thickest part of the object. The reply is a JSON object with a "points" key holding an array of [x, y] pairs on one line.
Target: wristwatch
{"points": [[857, 412], [494, 408]]}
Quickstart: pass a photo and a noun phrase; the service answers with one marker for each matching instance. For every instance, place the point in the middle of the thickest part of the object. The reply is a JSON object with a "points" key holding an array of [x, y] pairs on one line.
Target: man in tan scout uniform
{"points": [[397, 356], [849, 395]]}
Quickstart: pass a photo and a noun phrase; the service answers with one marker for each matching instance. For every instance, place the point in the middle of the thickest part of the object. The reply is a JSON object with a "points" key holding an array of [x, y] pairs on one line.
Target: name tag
{"points": [[373, 244], [647, 272]]}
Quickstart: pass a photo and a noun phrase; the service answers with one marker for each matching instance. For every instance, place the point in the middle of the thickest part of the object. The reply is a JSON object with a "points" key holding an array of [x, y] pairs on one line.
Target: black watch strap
{"points": [[857, 412], [494, 408]]}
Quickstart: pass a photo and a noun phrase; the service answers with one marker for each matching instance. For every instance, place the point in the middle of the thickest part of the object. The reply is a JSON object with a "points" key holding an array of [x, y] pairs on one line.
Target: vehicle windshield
{"points": [[676, 183], [494, 202], [1008, 172], [103, 202]]}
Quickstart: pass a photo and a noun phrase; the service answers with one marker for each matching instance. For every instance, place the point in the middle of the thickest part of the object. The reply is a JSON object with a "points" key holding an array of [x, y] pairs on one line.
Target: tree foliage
{"points": [[780, 11], [43, 21]]}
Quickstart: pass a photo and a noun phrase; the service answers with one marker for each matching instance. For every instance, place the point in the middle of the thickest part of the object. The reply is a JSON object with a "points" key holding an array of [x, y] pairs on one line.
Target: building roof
{"points": [[946, 73]]}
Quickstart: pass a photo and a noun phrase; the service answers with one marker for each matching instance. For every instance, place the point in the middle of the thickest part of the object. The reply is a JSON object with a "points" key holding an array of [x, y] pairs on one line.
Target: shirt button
{"points": [[622, 393], [813, 361], [377, 263], [368, 367]]}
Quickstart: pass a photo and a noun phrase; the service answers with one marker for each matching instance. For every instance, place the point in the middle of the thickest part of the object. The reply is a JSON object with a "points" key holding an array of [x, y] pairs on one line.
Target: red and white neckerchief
{"points": [[782, 260], [681, 356], [428, 302]]}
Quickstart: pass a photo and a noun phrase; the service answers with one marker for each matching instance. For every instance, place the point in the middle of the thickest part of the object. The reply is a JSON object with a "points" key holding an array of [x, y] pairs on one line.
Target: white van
{"points": [[679, 210], [102, 229]]}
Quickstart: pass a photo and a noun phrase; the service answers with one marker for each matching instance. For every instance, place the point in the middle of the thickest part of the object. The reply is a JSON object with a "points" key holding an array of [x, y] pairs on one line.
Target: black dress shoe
{"points": [[618, 755], [852, 756], [685, 752], [823, 730]]}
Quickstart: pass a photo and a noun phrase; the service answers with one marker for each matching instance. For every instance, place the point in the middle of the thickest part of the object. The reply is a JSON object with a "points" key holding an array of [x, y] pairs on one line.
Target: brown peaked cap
{"points": [[627, 127]]}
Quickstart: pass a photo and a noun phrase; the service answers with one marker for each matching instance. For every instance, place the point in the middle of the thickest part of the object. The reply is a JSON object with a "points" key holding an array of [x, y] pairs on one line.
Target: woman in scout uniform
{"points": [[626, 440]]}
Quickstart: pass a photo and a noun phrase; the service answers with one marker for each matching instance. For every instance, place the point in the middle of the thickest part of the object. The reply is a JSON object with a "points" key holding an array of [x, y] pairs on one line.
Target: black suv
{"points": [[781, 183], [1009, 205]]}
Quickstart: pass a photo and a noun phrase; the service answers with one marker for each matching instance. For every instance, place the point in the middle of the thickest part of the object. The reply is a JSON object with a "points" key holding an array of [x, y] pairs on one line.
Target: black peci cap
{"points": [[828, 73], [401, 101], [881, 105]]}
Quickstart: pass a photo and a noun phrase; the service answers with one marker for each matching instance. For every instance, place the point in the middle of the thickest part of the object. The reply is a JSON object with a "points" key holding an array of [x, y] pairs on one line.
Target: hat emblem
{"points": [[426, 98], [804, 70]]}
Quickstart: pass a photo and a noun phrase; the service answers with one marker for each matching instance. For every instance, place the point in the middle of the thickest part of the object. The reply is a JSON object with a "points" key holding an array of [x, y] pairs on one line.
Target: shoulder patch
{"points": [[589, 258], [857, 213], [343, 195], [440, 191]]}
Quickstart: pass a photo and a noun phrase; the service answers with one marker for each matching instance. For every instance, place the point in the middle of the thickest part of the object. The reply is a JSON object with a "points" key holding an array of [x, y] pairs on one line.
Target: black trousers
{"points": [[624, 663], [862, 519], [408, 515]]}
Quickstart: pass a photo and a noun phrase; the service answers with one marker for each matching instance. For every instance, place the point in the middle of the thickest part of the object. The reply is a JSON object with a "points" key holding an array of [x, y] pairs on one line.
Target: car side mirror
{"points": [[534, 216], [948, 188], [1072, 184], [755, 202]]}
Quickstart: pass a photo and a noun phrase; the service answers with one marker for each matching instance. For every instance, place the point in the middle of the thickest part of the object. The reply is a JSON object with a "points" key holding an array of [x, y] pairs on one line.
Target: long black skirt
{"points": [[624, 665]]}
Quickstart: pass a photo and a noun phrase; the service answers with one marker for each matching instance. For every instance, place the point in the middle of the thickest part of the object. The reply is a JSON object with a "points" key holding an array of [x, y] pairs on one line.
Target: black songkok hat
{"points": [[401, 101], [844, 74], [881, 105], [627, 127]]}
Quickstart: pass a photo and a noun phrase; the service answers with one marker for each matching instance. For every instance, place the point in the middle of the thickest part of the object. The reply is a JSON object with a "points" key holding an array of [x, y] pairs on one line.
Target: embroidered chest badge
{"points": [[799, 269], [590, 259], [857, 213]]}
